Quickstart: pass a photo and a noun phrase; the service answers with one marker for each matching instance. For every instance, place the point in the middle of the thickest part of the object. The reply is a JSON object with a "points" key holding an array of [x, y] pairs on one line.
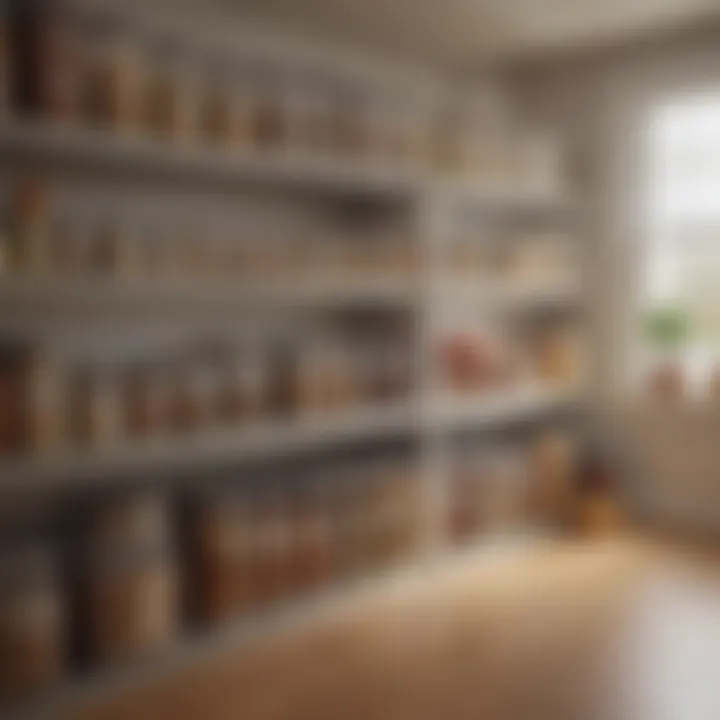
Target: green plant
{"points": [[667, 327]]}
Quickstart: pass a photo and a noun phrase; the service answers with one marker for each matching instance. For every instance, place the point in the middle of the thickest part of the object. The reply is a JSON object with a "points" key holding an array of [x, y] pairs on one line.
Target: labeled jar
{"points": [[109, 82], [216, 110], [311, 542], [71, 244], [224, 546], [53, 36], [32, 621], [30, 248], [95, 408], [43, 403], [166, 97], [269, 113], [243, 391], [270, 560], [147, 402], [131, 603]]}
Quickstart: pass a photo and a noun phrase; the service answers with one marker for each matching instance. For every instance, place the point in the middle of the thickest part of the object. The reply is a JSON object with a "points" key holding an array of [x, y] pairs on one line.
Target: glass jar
{"points": [[109, 79], [32, 621], [95, 408], [42, 404], [215, 106], [223, 537], [348, 126], [146, 399], [30, 249], [311, 544], [54, 36], [167, 98], [269, 113], [71, 242], [270, 565], [131, 603], [243, 392]]}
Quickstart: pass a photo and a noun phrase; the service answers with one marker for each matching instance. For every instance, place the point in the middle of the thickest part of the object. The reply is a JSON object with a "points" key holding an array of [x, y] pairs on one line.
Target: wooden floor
{"points": [[558, 629]]}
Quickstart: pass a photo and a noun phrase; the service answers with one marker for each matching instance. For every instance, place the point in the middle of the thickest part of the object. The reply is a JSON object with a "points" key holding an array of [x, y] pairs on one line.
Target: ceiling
{"points": [[463, 33]]}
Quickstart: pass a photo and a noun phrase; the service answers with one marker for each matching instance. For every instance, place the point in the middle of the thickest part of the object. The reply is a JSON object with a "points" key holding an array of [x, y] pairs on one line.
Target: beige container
{"points": [[168, 97], [44, 397], [109, 82], [553, 471], [132, 604], [32, 622], [95, 409], [147, 403], [30, 249], [224, 547]]}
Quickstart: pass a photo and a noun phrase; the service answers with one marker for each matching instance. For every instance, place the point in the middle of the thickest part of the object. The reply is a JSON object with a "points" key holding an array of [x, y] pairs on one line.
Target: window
{"points": [[680, 274]]}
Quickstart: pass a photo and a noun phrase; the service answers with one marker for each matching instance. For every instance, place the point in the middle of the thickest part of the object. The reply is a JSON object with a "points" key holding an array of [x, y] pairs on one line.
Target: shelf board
{"points": [[160, 458], [499, 200], [92, 296], [300, 170], [283, 620], [492, 409], [511, 296], [180, 454]]}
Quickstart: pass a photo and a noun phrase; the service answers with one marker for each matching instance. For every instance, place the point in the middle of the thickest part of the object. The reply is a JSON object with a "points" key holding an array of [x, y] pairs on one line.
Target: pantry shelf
{"points": [[287, 169], [92, 297], [80, 695], [502, 200], [492, 409], [512, 295], [161, 458], [73, 470]]}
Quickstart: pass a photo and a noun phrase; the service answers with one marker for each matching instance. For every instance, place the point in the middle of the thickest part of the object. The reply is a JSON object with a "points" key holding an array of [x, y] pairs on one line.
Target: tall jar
{"points": [[223, 544], [43, 398], [53, 36], [147, 402], [167, 102], [130, 582], [95, 408], [109, 79], [215, 105], [269, 113], [30, 243], [32, 621], [270, 565], [132, 603], [243, 394]]}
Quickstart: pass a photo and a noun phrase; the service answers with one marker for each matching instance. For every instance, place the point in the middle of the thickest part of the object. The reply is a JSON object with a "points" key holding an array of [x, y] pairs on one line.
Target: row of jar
{"points": [[505, 485], [43, 238], [50, 405], [530, 259], [137, 571], [551, 356], [93, 70]]}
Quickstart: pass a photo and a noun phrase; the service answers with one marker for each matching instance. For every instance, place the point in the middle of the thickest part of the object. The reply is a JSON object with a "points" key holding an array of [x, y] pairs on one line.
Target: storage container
{"points": [[131, 603], [33, 635]]}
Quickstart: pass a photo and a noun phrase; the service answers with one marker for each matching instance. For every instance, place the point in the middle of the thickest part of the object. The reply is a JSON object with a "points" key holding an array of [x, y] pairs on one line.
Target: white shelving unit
{"points": [[32, 304]]}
